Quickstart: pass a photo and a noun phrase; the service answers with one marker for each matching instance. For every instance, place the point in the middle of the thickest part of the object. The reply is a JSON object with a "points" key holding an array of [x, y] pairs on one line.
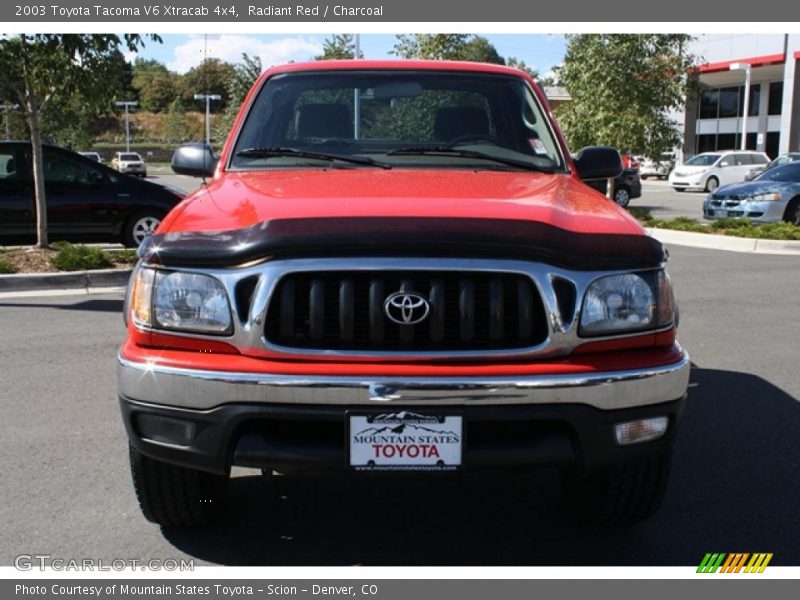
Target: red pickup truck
{"points": [[396, 267]]}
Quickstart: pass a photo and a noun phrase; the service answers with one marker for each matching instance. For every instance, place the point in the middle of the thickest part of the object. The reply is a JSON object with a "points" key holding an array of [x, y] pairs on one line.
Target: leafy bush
{"points": [[6, 267], [124, 256], [732, 227], [80, 258], [679, 224]]}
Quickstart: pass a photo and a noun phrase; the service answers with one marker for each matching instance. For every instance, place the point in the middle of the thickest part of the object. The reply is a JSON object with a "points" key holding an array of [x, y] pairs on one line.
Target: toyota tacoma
{"points": [[396, 267]]}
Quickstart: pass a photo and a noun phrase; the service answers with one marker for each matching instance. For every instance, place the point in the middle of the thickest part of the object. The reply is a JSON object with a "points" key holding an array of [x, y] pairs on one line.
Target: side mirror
{"points": [[598, 162], [195, 159]]}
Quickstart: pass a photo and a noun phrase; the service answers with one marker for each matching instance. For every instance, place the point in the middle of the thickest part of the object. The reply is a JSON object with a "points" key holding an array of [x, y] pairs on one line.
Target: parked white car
{"points": [[93, 155], [709, 170], [650, 168], [129, 162]]}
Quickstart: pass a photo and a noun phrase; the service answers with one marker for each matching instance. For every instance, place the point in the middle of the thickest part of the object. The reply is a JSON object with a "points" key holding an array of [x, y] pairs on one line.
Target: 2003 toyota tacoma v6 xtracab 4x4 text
{"points": [[396, 266]]}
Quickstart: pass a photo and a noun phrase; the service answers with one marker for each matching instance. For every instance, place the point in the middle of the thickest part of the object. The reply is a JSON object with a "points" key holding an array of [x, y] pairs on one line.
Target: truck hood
{"points": [[241, 200], [541, 217]]}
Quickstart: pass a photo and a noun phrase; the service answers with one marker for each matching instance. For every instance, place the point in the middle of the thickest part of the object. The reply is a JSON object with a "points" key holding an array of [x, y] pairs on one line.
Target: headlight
{"points": [[626, 303], [773, 197], [180, 301]]}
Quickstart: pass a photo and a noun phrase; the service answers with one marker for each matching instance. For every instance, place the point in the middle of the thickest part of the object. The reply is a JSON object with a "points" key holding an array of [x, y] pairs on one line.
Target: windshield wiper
{"points": [[287, 151], [450, 151]]}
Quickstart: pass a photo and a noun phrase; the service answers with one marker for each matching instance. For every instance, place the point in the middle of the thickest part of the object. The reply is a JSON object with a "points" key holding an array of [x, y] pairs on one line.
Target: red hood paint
{"points": [[234, 200]]}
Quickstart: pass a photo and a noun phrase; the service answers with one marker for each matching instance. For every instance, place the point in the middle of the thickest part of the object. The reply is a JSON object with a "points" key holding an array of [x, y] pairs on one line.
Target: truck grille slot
{"points": [[465, 311]]}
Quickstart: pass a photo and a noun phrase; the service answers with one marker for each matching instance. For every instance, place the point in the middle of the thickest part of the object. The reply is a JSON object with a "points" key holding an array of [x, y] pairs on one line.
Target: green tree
{"points": [[175, 122], [623, 88], [244, 76], [154, 85], [209, 77], [512, 61], [447, 46], [479, 49], [339, 47], [41, 71], [441, 46]]}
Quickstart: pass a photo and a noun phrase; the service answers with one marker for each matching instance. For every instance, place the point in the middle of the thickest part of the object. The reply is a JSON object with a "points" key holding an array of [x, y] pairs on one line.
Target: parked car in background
{"points": [[630, 162], [129, 162], [653, 168], [627, 186], [772, 197], [783, 159], [95, 156], [86, 201], [709, 170]]}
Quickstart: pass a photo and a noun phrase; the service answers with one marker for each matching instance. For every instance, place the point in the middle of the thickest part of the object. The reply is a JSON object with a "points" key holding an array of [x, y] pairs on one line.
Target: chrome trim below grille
{"points": [[204, 390]]}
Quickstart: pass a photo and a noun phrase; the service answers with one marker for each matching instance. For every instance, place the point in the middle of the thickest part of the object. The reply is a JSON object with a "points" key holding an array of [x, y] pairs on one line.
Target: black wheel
{"points": [[679, 189], [175, 496], [622, 196], [138, 226], [712, 183], [792, 214], [619, 496]]}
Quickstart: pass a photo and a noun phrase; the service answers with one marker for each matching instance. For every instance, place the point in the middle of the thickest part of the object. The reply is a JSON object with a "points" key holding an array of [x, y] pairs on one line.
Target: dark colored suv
{"points": [[627, 186], [86, 201]]}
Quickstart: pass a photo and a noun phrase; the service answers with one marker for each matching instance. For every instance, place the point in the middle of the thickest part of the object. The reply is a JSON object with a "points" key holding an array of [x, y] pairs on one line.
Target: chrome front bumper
{"points": [[205, 390]]}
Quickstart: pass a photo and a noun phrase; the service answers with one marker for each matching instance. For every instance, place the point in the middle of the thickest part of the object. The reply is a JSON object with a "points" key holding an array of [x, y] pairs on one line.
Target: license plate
{"points": [[405, 441], [721, 213]]}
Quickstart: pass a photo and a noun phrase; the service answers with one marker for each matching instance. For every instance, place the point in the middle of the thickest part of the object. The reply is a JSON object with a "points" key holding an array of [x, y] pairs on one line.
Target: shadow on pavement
{"points": [[87, 305], [735, 486]]}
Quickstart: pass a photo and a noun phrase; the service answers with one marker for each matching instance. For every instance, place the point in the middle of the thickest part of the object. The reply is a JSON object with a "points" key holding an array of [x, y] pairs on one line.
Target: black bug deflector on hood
{"points": [[405, 236]]}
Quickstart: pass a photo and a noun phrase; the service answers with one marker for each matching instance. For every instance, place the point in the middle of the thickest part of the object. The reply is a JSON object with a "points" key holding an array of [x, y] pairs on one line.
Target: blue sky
{"points": [[182, 52]]}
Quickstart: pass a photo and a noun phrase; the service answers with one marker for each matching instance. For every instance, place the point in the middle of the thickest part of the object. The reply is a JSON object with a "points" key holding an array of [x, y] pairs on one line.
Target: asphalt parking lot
{"points": [[735, 484], [665, 203]]}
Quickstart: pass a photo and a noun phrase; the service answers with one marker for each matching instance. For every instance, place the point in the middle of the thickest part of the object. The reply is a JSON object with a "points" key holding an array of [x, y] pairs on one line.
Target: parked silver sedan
{"points": [[772, 197]]}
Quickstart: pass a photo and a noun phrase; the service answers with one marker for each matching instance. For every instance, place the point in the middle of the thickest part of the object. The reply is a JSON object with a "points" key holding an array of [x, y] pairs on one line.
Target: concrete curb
{"points": [[78, 281], [86, 281], [725, 242]]}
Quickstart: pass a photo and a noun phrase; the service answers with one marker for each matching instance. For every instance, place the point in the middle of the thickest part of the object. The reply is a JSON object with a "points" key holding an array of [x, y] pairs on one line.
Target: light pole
{"points": [[357, 93], [128, 104], [746, 68], [6, 108], [208, 98]]}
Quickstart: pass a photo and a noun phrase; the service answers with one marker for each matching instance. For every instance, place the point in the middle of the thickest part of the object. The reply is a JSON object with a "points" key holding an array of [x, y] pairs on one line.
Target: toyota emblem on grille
{"points": [[406, 308]]}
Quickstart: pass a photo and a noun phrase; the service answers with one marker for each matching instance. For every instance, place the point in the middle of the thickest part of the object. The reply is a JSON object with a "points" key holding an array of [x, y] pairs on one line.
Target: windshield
{"points": [[790, 172], [130, 157], [703, 160], [396, 119]]}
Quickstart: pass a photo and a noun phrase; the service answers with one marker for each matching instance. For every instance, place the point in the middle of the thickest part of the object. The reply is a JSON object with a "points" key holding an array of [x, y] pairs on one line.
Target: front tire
{"points": [[712, 183], [139, 226], [622, 196], [621, 495], [679, 189], [174, 496], [792, 214]]}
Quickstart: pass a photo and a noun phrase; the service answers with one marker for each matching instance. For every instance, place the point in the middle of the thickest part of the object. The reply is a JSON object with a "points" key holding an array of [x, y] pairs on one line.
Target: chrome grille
{"points": [[471, 310]]}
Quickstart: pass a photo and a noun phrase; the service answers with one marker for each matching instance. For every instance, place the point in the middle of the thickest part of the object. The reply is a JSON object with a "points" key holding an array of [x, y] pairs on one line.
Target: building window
{"points": [[726, 141], [706, 143], [725, 103], [752, 141], [755, 101], [775, 97], [728, 102], [773, 143], [709, 103]]}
